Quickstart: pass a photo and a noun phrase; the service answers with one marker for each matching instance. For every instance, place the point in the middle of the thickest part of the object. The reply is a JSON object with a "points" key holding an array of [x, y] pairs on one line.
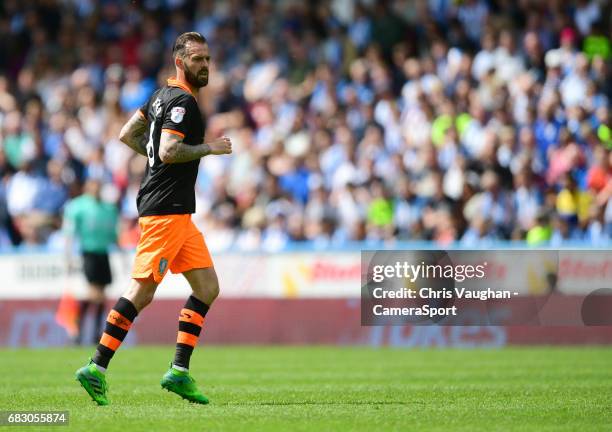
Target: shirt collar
{"points": [[174, 82]]}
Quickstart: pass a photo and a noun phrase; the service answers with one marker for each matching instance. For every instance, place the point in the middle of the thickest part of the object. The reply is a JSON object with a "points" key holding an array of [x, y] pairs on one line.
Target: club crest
{"points": [[163, 265]]}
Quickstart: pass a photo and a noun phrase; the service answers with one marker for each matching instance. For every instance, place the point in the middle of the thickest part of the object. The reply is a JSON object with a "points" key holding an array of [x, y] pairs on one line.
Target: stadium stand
{"points": [[452, 122]]}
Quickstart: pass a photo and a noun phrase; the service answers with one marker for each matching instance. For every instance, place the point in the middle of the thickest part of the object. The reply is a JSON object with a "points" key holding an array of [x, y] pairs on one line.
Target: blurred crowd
{"points": [[458, 122]]}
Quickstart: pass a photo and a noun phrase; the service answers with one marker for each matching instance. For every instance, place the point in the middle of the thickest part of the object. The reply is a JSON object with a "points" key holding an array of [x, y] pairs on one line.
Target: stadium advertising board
{"points": [[282, 293]]}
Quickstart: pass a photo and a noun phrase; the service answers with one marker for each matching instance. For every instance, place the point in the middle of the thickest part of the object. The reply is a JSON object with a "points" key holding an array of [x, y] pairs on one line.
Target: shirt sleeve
{"points": [[144, 109], [179, 115]]}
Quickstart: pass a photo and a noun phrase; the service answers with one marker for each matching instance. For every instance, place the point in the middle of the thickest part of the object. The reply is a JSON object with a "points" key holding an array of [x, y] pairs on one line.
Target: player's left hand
{"points": [[220, 146]]}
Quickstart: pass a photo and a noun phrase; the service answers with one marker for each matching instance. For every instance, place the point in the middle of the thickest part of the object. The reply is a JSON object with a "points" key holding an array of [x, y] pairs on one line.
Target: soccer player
{"points": [[93, 223], [173, 131]]}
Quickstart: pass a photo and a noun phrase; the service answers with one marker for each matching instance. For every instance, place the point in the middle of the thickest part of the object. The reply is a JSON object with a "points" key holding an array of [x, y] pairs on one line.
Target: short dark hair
{"points": [[178, 50]]}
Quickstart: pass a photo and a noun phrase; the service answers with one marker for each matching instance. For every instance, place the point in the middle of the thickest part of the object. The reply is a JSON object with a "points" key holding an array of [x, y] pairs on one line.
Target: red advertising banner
{"points": [[32, 323]]}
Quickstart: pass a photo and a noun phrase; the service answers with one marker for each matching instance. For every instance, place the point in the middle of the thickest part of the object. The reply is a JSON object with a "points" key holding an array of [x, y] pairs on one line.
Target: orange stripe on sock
{"points": [[187, 339], [110, 342], [115, 318], [191, 316]]}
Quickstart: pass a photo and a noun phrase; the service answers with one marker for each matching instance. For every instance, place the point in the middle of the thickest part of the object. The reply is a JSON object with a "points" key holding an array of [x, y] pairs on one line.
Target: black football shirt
{"points": [[170, 188]]}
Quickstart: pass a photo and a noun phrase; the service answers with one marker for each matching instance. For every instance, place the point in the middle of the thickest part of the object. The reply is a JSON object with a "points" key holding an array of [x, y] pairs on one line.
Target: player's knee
{"points": [[148, 292], [141, 293], [145, 299], [207, 289], [141, 300], [214, 288], [212, 285]]}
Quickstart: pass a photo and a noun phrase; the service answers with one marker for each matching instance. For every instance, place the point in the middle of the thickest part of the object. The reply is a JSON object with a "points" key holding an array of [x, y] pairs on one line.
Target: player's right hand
{"points": [[220, 146]]}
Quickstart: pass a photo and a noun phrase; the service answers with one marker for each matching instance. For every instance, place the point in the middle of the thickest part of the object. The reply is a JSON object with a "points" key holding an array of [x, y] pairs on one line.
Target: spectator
{"points": [[450, 121]]}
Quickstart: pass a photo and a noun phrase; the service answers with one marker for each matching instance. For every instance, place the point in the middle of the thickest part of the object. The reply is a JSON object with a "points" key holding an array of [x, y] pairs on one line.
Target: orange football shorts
{"points": [[169, 242]]}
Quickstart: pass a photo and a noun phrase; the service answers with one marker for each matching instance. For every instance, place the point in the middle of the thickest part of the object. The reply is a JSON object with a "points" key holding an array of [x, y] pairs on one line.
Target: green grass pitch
{"points": [[325, 389]]}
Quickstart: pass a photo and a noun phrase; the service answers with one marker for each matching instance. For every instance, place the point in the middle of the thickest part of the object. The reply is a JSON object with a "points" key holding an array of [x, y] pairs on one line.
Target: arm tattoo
{"points": [[132, 132], [173, 150]]}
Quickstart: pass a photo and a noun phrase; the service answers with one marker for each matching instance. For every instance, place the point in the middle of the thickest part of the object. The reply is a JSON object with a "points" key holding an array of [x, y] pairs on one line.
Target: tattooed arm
{"points": [[132, 132], [172, 149]]}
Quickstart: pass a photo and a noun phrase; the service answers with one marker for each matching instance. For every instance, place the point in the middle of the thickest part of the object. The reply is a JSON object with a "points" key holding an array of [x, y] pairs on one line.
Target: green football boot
{"points": [[94, 382], [183, 385]]}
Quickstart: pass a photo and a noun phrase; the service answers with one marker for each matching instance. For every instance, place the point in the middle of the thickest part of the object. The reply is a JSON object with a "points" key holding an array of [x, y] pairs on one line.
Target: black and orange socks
{"points": [[118, 323], [191, 320]]}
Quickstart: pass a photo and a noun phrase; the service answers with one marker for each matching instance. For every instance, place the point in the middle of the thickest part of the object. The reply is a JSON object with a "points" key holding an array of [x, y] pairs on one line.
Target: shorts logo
{"points": [[163, 265], [177, 113]]}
